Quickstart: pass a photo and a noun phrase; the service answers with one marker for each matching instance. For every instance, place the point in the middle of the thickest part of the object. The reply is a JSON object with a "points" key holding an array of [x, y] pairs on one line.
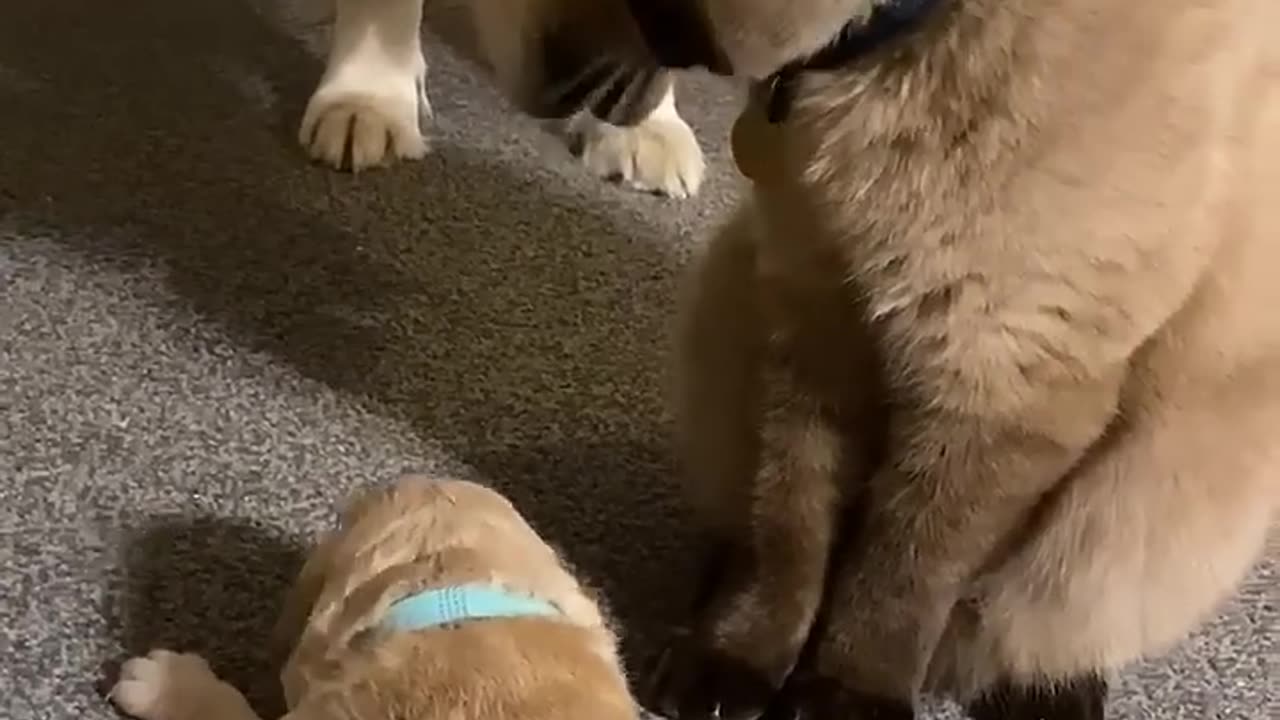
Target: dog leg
{"points": [[950, 492], [768, 583], [760, 457], [165, 685], [372, 97], [1080, 699], [660, 154]]}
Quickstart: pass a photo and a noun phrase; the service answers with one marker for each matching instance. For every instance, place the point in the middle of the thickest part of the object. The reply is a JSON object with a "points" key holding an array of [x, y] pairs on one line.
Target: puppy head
{"points": [[557, 56], [445, 531], [419, 515], [423, 532]]}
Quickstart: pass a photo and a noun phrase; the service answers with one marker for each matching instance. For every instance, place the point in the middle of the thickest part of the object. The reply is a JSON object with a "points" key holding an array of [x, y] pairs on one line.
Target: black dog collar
{"points": [[680, 36], [856, 39]]}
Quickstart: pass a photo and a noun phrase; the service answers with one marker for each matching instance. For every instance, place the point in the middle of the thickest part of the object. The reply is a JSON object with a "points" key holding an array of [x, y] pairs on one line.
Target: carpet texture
{"points": [[207, 342]]}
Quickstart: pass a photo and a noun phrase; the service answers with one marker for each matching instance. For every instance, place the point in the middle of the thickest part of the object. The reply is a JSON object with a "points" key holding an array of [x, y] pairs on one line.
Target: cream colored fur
{"points": [[416, 535], [1008, 303], [372, 100]]}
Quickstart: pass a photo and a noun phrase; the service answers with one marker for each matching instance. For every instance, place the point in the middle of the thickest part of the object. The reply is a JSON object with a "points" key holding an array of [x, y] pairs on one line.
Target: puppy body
{"points": [[999, 319], [419, 535]]}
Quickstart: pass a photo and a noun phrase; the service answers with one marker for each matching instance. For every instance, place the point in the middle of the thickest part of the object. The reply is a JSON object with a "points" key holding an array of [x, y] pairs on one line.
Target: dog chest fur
{"points": [[1044, 222]]}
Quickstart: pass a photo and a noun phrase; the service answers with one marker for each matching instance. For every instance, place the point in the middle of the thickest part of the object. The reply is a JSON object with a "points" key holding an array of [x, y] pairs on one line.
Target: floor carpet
{"points": [[206, 342]]}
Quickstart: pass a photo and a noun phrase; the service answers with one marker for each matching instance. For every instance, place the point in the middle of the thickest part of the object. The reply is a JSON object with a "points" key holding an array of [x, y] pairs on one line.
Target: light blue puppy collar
{"points": [[445, 606]]}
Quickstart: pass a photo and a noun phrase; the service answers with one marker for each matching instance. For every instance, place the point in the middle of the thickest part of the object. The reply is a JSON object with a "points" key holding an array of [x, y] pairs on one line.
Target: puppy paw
{"points": [[659, 155], [165, 685], [368, 111]]}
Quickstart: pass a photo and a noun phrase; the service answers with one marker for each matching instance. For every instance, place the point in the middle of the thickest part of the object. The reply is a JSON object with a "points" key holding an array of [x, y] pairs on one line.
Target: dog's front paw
{"points": [[368, 111], [751, 627], [697, 681], [810, 697], [165, 685], [659, 155]]}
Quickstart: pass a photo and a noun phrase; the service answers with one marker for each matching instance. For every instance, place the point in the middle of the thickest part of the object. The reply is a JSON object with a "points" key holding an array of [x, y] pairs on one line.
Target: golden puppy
{"points": [[980, 390], [433, 600]]}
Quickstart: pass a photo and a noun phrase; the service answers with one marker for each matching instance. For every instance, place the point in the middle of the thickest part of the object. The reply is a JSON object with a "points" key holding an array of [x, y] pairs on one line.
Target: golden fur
{"points": [[998, 318], [978, 392], [415, 535]]}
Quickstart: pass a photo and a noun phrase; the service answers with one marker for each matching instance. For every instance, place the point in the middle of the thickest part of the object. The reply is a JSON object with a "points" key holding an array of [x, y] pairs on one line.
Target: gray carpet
{"points": [[205, 342]]}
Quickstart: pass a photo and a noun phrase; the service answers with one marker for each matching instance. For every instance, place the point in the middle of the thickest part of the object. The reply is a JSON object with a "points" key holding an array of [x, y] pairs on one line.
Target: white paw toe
{"points": [[362, 119], [659, 155]]}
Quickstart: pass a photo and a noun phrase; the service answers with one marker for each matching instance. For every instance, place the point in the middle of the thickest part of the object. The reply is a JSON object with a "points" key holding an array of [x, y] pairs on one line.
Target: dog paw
{"points": [[809, 697], [368, 111], [694, 681], [165, 685], [659, 155], [750, 628]]}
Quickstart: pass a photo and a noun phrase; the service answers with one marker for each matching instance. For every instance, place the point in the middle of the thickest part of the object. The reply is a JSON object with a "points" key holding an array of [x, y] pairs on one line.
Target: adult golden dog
{"points": [[433, 600], [979, 390]]}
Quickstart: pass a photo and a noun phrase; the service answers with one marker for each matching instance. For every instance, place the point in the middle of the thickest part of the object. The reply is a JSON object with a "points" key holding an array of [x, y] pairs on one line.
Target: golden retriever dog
{"points": [[372, 102], [979, 392], [434, 599]]}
